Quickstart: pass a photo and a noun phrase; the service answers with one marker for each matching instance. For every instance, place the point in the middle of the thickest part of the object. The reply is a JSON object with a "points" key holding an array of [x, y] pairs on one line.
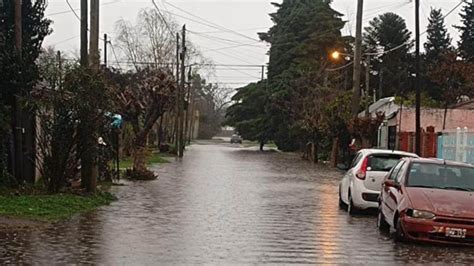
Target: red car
{"points": [[429, 200]]}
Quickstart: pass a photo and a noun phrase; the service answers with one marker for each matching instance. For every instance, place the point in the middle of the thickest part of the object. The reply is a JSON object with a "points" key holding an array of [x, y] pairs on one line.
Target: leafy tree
{"points": [[248, 114], [455, 78], [466, 43], [56, 112], [18, 76], [386, 32], [305, 32], [142, 97]]}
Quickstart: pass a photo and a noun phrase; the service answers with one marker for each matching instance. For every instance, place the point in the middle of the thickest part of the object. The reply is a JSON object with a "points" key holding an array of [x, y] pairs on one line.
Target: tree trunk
{"points": [[139, 158], [314, 153], [335, 151], [445, 114], [261, 145]]}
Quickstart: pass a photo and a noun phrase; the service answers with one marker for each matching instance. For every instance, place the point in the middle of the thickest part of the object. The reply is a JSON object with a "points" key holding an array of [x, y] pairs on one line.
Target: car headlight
{"points": [[420, 214]]}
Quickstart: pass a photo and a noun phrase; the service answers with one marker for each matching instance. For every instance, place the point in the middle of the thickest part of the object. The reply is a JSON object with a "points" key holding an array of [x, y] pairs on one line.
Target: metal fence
{"points": [[457, 146]]}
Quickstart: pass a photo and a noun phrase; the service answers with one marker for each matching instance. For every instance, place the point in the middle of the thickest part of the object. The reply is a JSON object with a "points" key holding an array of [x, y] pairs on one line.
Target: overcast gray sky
{"points": [[247, 17]]}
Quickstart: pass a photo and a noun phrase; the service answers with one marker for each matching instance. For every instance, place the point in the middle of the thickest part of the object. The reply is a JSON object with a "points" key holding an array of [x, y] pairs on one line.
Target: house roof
{"points": [[464, 105], [375, 107]]}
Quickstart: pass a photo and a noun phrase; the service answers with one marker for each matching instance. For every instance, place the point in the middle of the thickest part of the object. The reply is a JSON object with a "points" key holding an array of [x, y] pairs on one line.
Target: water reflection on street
{"points": [[223, 204]]}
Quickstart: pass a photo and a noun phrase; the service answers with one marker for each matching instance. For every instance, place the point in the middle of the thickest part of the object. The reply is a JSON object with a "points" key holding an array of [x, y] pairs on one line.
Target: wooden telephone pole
{"points": [[181, 90], [417, 79], [94, 55], [106, 42], [84, 60], [89, 154], [178, 57], [357, 61], [17, 112]]}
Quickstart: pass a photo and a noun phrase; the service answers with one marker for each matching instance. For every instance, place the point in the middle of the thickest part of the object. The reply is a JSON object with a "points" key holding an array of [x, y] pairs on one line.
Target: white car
{"points": [[360, 187]]}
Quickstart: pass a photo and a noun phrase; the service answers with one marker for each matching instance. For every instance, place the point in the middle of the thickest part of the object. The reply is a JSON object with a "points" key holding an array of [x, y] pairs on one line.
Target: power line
{"points": [[229, 47], [65, 40], [77, 9], [77, 16], [241, 30], [339, 68], [164, 19], [73, 11], [115, 55], [211, 24], [231, 56], [412, 41]]}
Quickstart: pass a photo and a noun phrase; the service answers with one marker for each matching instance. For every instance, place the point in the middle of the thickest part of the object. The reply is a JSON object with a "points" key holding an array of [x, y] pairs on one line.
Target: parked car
{"points": [[235, 139], [360, 187], [429, 200]]}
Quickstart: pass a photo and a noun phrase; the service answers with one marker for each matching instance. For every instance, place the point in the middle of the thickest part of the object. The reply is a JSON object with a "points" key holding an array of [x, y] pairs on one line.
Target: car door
{"points": [[346, 180], [388, 203], [394, 193]]}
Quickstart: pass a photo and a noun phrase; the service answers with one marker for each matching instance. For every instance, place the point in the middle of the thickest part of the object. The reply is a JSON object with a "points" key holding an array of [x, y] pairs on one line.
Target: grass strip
{"points": [[51, 208]]}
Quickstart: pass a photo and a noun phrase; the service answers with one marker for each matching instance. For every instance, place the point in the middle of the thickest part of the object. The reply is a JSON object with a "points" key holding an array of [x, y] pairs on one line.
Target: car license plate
{"points": [[456, 232]]}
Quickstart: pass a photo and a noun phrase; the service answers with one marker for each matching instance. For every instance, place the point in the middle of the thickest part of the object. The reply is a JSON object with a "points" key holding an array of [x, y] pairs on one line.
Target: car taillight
{"points": [[361, 174]]}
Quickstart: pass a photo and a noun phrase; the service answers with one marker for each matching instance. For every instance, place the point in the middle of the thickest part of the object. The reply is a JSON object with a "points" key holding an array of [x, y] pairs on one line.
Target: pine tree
{"points": [[384, 33], [466, 43], [304, 34], [438, 40]]}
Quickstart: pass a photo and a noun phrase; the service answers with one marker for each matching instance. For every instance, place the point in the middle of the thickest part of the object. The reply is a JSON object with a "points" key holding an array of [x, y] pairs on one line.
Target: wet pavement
{"points": [[223, 205]]}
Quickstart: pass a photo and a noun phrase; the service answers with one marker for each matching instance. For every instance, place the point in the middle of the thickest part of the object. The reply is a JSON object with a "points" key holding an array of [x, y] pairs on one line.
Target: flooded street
{"points": [[223, 204]]}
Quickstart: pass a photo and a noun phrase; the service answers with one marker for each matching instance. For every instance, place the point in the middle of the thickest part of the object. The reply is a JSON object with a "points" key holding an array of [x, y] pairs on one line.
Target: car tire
{"points": [[399, 233], [342, 205], [351, 209], [382, 224]]}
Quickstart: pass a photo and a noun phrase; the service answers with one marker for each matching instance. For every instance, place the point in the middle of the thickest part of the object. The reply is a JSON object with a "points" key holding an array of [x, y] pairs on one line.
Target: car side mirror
{"points": [[342, 167], [391, 183]]}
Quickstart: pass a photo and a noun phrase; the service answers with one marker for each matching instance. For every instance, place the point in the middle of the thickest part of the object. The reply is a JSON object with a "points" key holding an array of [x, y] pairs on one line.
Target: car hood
{"points": [[443, 202]]}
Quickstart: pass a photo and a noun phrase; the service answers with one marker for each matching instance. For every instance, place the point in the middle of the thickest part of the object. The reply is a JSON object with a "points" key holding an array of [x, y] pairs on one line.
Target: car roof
{"points": [[438, 161], [381, 151]]}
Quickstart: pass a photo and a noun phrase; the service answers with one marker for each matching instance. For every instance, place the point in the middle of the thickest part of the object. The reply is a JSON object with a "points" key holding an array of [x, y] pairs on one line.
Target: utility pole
{"points": [[105, 49], [94, 37], [60, 67], [380, 92], [181, 93], [84, 60], [176, 134], [191, 119], [417, 79], [188, 97], [263, 72], [367, 85], [357, 61], [18, 112]]}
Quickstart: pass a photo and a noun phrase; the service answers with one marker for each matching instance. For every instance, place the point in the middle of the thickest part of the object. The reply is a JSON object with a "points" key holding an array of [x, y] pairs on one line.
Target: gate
{"points": [[456, 146]]}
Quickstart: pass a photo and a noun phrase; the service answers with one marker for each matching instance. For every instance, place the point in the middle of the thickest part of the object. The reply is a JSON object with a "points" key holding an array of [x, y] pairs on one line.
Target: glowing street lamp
{"points": [[335, 55]]}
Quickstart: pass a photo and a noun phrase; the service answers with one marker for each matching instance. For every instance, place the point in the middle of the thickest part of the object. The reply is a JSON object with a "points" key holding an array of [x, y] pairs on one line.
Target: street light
{"points": [[336, 55]]}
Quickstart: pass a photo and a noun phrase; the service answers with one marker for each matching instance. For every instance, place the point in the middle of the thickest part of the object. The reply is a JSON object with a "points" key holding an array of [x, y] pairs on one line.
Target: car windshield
{"points": [[451, 177], [383, 162]]}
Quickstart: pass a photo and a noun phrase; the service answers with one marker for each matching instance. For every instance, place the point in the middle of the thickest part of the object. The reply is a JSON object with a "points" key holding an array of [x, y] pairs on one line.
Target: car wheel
{"points": [[399, 233], [342, 205], [351, 209], [382, 224]]}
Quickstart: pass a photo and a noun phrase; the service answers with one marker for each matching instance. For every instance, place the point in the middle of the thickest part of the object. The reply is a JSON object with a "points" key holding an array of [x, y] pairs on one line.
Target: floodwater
{"points": [[223, 204]]}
